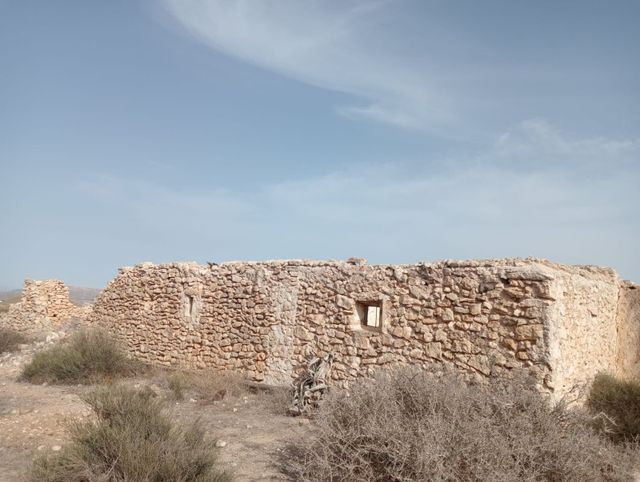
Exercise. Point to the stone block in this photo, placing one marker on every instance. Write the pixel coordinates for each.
(447, 314)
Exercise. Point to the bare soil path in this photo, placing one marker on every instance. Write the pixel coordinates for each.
(33, 421)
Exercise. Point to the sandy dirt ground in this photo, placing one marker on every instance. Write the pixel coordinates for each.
(33, 421)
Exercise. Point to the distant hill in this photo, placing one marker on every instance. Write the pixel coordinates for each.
(83, 296)
(7, 298)
(7, 295)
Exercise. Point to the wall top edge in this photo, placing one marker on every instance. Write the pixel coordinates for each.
(540, 265)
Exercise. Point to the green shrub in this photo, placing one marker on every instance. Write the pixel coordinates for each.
(10, 339)
(85, 357)
(131, 440)
(616, 407)
(411, 426)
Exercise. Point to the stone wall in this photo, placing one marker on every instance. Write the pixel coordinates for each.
(487, 318)
(629, 330)
(44, 306)
(582, 324)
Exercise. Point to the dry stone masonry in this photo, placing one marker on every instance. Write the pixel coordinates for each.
(44, 306)
(561, 324)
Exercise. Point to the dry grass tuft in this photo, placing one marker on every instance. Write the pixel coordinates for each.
(277, 399)
(206, 386)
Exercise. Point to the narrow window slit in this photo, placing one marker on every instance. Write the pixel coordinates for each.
(188, 307)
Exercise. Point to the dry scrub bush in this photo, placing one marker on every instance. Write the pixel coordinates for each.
(411, 426)
(616, 406)
(131, 440)
(10, 339)
(87, 356)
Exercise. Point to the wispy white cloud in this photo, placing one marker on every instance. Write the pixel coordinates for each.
(324, 44)
(538, 141)
(394, 115)
(569, 199)
(574, 211)
(415, 65)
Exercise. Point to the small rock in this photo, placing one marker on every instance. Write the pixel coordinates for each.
(56, 448)
(221, 443)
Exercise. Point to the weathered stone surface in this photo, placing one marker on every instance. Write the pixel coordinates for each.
(562, 324)
(486, 318)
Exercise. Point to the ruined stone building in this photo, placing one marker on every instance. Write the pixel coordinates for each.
(561, 324)
(44, 306)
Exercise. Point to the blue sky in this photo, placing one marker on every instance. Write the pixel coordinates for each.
(397, 130)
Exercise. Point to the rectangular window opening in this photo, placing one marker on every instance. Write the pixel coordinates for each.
(370, 314)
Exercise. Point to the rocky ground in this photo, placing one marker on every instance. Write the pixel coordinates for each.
(250, 431)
